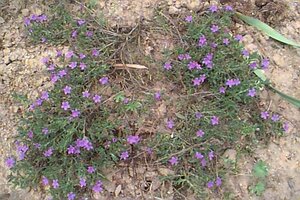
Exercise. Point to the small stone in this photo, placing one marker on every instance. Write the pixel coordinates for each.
(25, 12)
(194, 5)
(279, 60)
(109, 186)
(118, 190)
(1, 20)
(173, 10)
(165, 171)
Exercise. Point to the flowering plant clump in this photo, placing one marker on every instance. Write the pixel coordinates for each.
(68, 134)
(84, 123)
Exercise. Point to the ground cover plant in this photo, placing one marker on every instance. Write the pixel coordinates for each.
(90, 119)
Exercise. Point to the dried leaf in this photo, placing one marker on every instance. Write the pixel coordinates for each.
(118, 190)
(135, 66)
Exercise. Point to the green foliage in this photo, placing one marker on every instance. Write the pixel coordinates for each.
(260, 169)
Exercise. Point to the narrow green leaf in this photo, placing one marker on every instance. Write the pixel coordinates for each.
(290, 99)
(266, 29)
(260, 73)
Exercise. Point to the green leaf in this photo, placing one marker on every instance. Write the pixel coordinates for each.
(259, 188)
(180, 116)
(292, 100)
(260, 73)
(266, 29)
(260, 169)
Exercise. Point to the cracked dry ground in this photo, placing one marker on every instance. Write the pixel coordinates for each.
(22, 71)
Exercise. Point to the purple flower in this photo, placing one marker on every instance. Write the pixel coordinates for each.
(157, 96)
(226, 41)
(222, 90)
(71, 196)
(210, 184)
(199, 155)
(170, 124)
(124, 155)
(193, 65)
(51, 67)
(275, 118)
(38, 102)
(42, 18)
(86, 94)
(264, 115)
(213, 45)
(103, 80)
(73, 65)
(238, 38)
(74, 34)
(54, 78)
(69, 54)
(200, 133)
(90, 169)
(55, 183)
(48, 152)
(228, 8)
(30, 134)
(133, 139)
(265, 63)
(214, 28)
(67, 90)
(253, 65)
(84, 143)
(22, 149)
(45, 95)
(97, 98)
(285, 126)
(37, 145)
(43, 40)
(149, 150)
(10, 162)
(75, 113)
(98, 187)
(45, 181)
(82, 56)
(202, 41)
(198, 115)
(189, 18)
(245, 53)
(27, 21)
(214, 120)
(82, 66)
(65, 105)
(173, 160)
(213, 8)
(33, 17)
(252, 92)
(45, 131)
(58, 53)
(211, 155)
(95, 52)
(62, 73)
(232, 82)
(203, 162)
(89, 33)
(71, 150)
(168, 66)
(80, 22)
(45, 60)
(82, 182)
(208, 60)
(199, 80)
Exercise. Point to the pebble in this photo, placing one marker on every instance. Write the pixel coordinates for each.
(1, 20)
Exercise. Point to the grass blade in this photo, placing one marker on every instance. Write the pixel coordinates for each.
(288, 98)
(266, 29)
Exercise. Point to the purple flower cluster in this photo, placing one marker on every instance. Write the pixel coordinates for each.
(168, 66)
(184, 57)
(35, 18)
(124, 155)
(207, 60)
(48, 152)
(199, 80)
(84, 143)
(133, 139)
(10, 162)
(232, 82)
(202, 41)
(21, 149)
(217, 182)
(174, 160)
(194, 65)
(98, 187)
